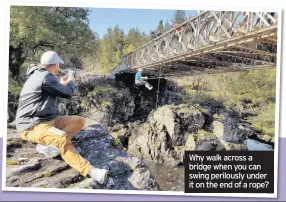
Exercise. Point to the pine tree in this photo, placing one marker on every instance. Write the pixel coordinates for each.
(167, 26)
(160, 27)
(179, 17)
(35, 29)
(134, 40)
(112, 46)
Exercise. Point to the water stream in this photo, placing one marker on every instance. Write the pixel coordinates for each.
(169, 178)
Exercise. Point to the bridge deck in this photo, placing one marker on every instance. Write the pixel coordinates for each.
(211, 42)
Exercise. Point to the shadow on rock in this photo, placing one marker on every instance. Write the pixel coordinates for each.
(126, 171)
(27, 168)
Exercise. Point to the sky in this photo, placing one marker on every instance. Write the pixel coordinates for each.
(145, 19)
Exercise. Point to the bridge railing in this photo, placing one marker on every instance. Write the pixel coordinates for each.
(206, 30)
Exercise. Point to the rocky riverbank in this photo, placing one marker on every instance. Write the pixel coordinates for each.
(142, 146)
(26, 168)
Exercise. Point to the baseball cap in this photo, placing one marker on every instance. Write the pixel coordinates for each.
(140, 69)
(50, 58)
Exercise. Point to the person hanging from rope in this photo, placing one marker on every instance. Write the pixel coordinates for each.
(140, 81)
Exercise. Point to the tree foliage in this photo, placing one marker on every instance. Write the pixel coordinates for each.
(179, 17)
(111, 47)
(134, 39)
(160, 27)
(167, 26)
(66, 30)
(115, 44)
(250, 94)
(36, 29)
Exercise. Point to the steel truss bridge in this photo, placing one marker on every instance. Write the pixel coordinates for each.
(212, 41)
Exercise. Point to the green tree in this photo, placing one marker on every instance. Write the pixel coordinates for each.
(179, 17)
(145, 38)
(134, 40)
(167, 26)
(111, 48)
(36, 29)
(160, 27)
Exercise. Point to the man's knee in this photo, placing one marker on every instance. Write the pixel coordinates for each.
(62, 143)
(27, 136)
(23, 136)
(81, 122)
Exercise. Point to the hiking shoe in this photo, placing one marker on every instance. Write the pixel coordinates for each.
(98, 175)
(151, 88)
(47, 150)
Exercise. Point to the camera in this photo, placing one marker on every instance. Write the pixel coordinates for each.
(70, 73)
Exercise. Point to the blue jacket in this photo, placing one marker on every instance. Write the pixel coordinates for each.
(138, 76)
(38, 99)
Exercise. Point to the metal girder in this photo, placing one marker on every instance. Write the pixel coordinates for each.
(244, 59)
(192, 72)
(208, 32)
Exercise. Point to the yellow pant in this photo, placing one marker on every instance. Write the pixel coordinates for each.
(71, 125)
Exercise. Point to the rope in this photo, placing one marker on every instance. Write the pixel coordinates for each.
(158, 87)
(155, 78)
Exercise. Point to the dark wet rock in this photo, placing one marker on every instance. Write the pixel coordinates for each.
(209, 145)
(100, 99)
(170, 130)
(164, 92)
(112, 102)
(118, 105)
(72, 106)
(219, 132)
(26, 168)
(152, 126)
(121, 133)
(230, 128)
(170, 178)
(208, 142)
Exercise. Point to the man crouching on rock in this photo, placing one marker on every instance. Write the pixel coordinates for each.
(37, 119)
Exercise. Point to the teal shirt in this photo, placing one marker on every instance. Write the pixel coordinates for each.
(138, 76)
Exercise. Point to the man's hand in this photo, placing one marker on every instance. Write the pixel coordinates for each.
(145, 77)
(65, 80)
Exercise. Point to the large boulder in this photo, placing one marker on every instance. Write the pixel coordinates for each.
(170, 130)
(230, 129)
(206, 141)
(26, 168)
(176, 120)
(230, 132)
(189, 146)
(102, 99)
(118, 104)
(166, 130)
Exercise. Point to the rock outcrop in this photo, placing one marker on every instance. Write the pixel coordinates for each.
(125, 131)
(26, 168)
(170, 130)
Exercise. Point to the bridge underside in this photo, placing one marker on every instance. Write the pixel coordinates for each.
(211, 42)
(250, 56)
